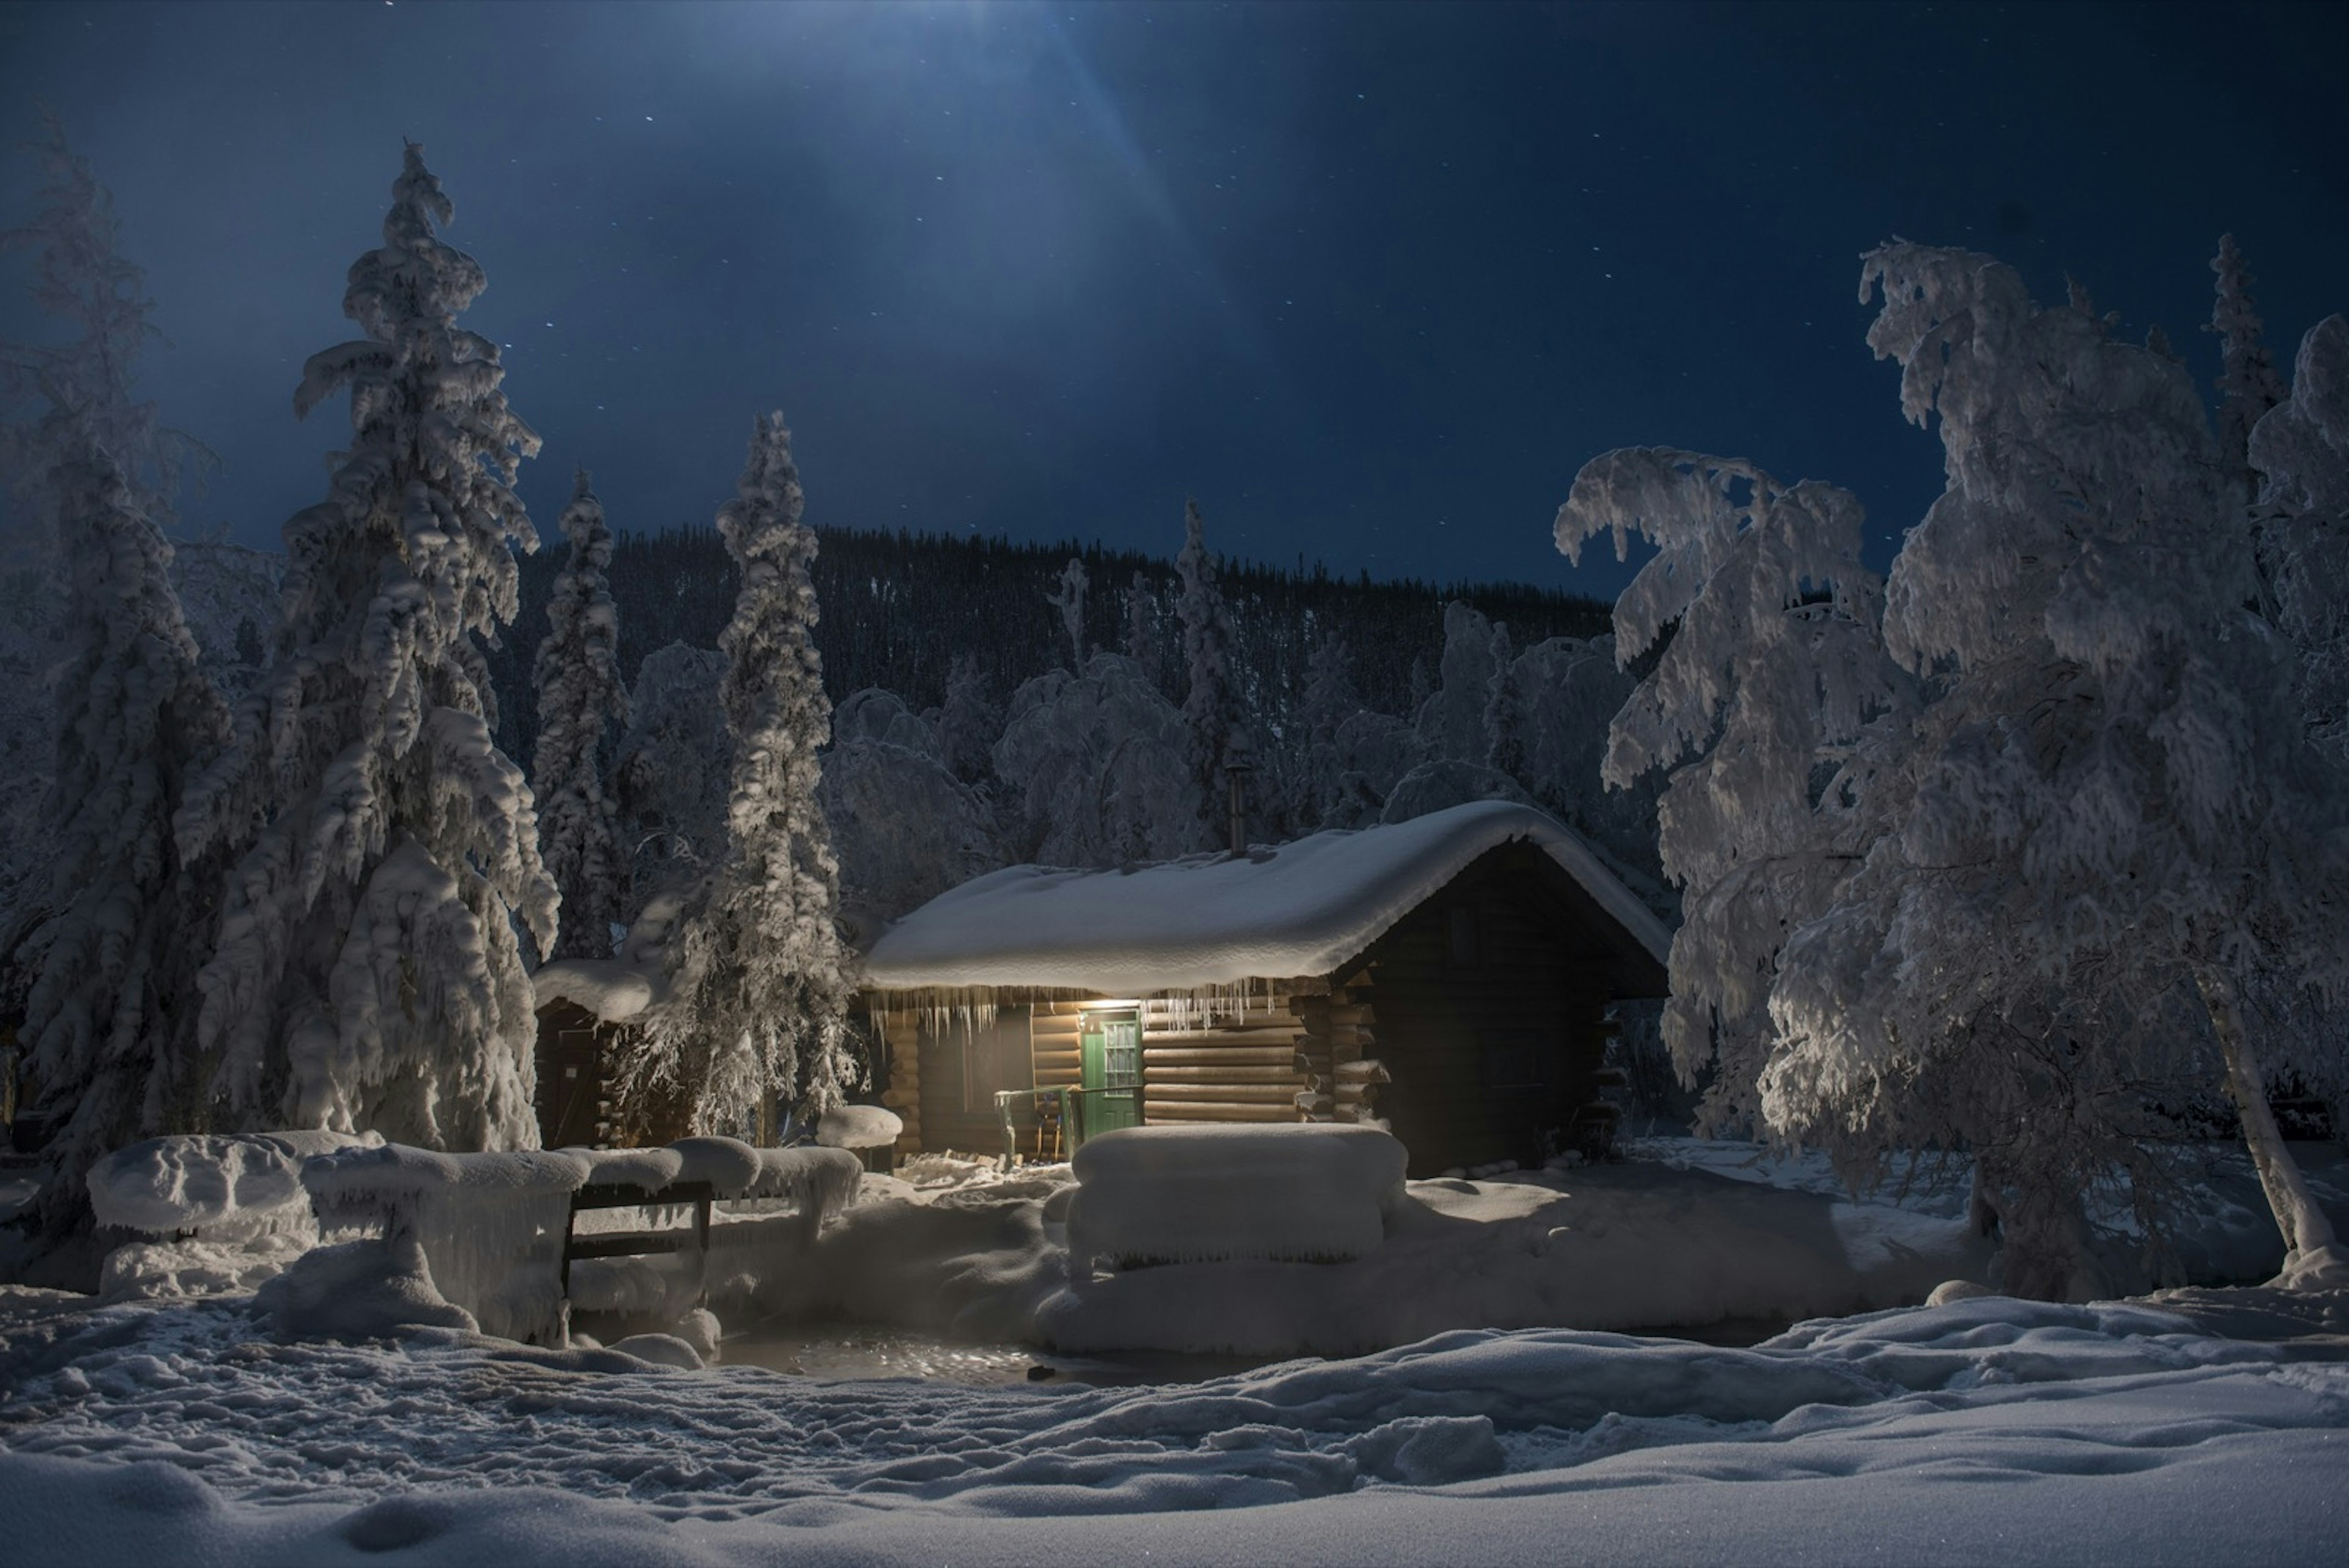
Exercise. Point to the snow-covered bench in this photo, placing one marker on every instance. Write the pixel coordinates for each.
(497, 1233)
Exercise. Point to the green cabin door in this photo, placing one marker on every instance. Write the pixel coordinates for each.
(1109, 1058)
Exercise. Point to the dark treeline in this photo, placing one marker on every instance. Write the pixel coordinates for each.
(898, 610)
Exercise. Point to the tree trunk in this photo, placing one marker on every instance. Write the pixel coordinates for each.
(2305, 1228)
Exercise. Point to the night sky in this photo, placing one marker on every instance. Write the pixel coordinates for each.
(1372, 281)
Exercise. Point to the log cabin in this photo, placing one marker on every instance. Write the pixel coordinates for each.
(1448, 978)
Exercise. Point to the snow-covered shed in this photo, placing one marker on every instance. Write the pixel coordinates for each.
(1449, 976)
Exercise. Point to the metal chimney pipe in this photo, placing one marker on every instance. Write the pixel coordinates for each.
(1236, 804)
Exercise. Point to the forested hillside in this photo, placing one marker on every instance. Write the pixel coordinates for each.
(899, 609)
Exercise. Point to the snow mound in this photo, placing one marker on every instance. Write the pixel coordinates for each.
(224, 1189)
(858, 1126)
(491, 1227)
(159, 1270)
(374, 1289)
(1309, 1191)
(1302, 908)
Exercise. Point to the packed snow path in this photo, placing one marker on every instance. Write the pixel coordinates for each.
(1984, 1428)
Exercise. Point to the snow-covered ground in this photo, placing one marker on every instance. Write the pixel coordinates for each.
(1983, 1429)
(2201, 1425)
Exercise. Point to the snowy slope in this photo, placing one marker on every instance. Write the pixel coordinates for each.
(1302, 908)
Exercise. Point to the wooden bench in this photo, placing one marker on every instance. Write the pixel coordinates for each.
(638, 1243)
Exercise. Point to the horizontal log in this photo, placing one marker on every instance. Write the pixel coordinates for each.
(1220, 1094)
(1316, 1105)
(1370, 1071)
(1196, 1023)
(1160, 1114)
(1221, 1072)
(1212, 1056)
(1287, 1030)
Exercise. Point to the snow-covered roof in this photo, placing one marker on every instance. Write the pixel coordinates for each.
(1302, 910)
(615, 990)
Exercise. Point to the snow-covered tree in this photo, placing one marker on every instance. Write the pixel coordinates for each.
(98, 296)
(63, 396)
(106, 953)
(2016, 911)
(672, 770)
(2248, 385)
(110, 1020)
(1069, 598)
(2111, 806)
(1772, 667)
(1211, 707)
(1505, 740)
(1451, 719)
(2299, 453)
(1328, 700)
(368, 972)
(756, 1005)
(969, 722)
(580, 699)
(1141, 626)
(904, 828)
(1094, 769)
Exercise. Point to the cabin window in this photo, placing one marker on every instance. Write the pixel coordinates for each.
(996, 1056)
(1464, 950)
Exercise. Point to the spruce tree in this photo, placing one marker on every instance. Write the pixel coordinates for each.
(1069, 598)
(1210, 711)
(367, 973)
(756, 1005)
(1504, 746)
(2248, 385)
(581, 698)
(106, 958)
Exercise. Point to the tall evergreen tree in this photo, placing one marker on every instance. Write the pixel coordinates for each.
(969, 720)
(1069, 597)
(1211, 709)
(581, 697)
(758, 994)
(1142, 627)
(2248, 385)
(367, 973)
(109, 962)
(80, 389)
(1505, 742)
(111, 1015)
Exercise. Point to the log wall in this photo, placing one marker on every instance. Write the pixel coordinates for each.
(1491, 1023)
(1234, 1067)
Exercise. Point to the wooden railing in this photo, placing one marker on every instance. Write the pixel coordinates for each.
(638, 1243)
